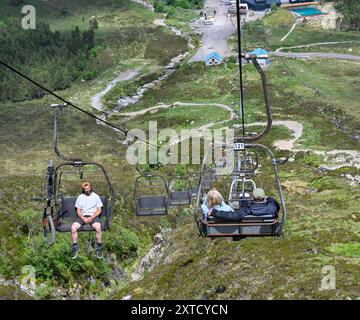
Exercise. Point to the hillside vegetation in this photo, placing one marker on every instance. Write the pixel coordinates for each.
(323, 226)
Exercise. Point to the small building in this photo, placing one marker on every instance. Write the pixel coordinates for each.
(258, 5)
(263, 56)
(213, 59)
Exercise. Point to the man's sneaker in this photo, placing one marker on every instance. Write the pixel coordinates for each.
(99, 253)
(74, 252)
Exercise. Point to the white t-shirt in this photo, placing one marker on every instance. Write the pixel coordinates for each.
(88, 204)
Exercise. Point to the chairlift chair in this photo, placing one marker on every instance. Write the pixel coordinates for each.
(249, 225)
(151, 205)
(59, 210)
(180, 197)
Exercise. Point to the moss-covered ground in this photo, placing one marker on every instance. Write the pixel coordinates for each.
(323, 226)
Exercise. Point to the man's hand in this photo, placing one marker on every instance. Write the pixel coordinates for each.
(86, 220)
(90, 219)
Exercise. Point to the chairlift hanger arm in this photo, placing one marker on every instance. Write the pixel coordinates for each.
(253, 59)
(149, 177)
(82, 164)
(57, 110)
(277, 178)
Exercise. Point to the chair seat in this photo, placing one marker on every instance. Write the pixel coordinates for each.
(67, 214)
(151, 205)
(180, 198)
(246, 219)
(65, 225)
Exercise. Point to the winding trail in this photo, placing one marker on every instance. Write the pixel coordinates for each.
(294, 126)
(96, 100)
(317, 44)
(179, 104)
(291, 30)
(321, 55)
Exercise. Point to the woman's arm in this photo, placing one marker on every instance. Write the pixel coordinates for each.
(205, 209)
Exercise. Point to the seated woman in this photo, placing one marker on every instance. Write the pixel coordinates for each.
(263, 205)
(214, 201)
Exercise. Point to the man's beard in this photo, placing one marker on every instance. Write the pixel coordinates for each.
(88, 192)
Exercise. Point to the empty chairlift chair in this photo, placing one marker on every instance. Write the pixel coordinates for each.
(147, 204)
(181, 194)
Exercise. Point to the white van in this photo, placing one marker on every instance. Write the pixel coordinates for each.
(243, 8)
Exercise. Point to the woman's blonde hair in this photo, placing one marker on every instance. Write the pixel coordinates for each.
(214, 197)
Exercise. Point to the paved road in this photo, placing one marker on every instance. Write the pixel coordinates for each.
(323, 55)
(215, 36)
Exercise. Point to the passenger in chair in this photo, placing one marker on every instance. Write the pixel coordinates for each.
(214, 200)
(263, 205)
(88, 207)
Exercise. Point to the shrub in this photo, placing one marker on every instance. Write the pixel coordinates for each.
(90, 75)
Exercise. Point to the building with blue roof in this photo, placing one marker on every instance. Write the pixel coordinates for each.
(263, 56)
(213, 58)
(261, 4)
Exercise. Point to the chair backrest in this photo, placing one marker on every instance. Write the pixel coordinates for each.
(152, 202)
(180, 195)
(68, 209)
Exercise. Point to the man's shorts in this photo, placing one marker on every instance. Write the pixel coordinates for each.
(79, 221)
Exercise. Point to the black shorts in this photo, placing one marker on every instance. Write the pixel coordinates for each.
(79, 221)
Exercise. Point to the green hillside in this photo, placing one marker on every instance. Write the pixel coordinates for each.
(323, 226)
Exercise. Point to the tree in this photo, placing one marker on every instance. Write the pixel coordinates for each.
(93, 23)
(159, 6)
(16, 2)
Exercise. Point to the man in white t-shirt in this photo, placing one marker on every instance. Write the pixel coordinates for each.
(88, 207)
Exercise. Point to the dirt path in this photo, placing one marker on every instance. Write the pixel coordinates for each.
(307, 55)
(291, 30)
(176, 104)
(321, 55)
(96, 100)
(294, 126)
(316, 45)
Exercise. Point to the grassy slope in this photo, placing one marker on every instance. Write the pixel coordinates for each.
(273, 268)
(324, 222)
(246, 269)
(26, 151)
(336, 79)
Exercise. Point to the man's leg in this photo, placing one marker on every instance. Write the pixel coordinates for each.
(74, 232)
(74, 236)
(97, 227)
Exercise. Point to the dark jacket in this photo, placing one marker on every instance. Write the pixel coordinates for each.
(269, 207)
(232, 215)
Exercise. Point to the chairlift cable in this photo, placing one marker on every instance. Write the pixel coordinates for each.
(288, 69)
(240, 66)
(125, 132)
